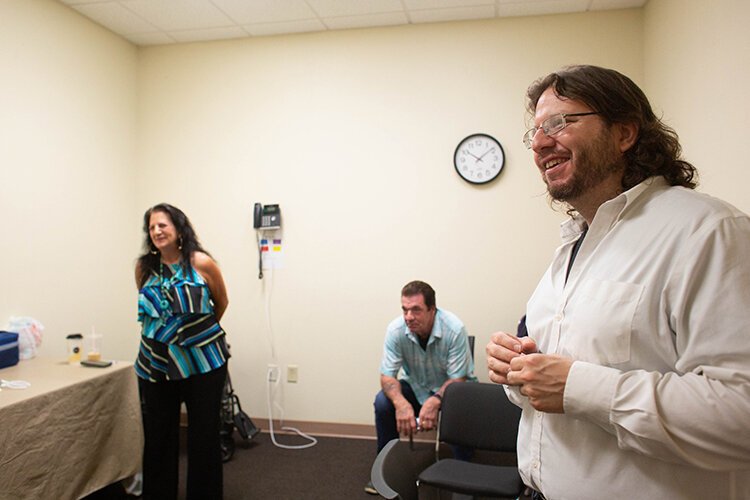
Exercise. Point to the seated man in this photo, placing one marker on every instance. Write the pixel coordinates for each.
(430, 347)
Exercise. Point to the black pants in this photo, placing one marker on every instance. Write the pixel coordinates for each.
(161, 423)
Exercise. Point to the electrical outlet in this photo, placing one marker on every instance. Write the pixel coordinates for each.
(273, 372)
(291, 374)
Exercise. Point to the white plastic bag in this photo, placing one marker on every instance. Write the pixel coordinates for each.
(29, 333)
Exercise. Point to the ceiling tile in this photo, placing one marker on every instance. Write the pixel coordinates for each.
(208, 34)
(616, 4)
(156, 38)
(115, 17)
(265, 11)
(374, 20)
(455, 14)
(444, 4)
(75, 2)
(179, 14)
(304, 26)
(335, 8)
(540, 7)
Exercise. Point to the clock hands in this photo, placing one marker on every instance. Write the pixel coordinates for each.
(483, 154)
(479, 158)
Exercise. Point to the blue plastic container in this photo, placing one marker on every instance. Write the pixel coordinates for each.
(8, 349)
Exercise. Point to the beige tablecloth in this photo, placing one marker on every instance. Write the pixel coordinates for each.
(74, 431)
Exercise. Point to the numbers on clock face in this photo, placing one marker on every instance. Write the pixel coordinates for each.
(479, 158)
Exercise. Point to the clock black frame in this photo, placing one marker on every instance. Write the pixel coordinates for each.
(455, 158)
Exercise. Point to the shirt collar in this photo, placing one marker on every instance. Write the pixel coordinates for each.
(611, 210)
(436, 331)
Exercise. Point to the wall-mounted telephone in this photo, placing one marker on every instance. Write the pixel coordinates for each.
(266, 217)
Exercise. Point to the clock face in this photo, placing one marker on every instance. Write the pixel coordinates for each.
(479, 158)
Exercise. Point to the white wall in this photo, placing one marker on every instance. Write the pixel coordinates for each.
(697, 72)
(360, 125)
(67, 143)
(353, 134)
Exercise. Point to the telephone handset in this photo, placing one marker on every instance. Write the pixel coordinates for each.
(266, 217)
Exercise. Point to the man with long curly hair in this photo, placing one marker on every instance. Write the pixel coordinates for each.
(634, 378)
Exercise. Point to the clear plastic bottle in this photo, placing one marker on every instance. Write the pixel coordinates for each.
(94, 352)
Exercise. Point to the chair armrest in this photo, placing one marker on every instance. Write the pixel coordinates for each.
(398, 465)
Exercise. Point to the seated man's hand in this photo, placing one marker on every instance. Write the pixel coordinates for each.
(428, 416)
(406, 423)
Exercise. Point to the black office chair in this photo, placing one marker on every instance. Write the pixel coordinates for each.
(395, 470)
(480, 416)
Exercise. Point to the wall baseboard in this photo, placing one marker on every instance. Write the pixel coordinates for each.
(323, 429)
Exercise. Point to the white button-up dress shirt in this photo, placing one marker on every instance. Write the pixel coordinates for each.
(656, 315)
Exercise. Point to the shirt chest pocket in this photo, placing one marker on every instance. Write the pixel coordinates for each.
(599, 319)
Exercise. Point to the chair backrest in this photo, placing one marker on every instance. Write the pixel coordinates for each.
(478, 415)
(471, 345)
(396, 468)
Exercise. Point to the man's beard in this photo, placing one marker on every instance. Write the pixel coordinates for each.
(594, 164)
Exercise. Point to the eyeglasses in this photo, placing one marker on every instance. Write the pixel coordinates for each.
(551, 126)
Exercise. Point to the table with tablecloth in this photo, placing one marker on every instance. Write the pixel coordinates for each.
(75, 430)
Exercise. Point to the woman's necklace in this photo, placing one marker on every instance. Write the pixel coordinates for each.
(165, 284)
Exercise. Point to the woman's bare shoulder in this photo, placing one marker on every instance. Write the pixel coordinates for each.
(203, 263)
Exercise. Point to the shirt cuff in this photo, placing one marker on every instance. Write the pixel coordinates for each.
(514, 395)
(589, 392)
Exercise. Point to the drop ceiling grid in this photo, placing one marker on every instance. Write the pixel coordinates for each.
(148, 22)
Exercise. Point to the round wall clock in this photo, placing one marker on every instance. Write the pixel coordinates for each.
(479, 158)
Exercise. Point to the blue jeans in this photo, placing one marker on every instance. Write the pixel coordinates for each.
(385, 420)
(385, 414)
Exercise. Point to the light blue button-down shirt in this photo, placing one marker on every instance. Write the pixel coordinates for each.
(447, 354)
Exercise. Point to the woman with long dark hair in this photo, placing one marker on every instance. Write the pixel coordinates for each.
(183, 355)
